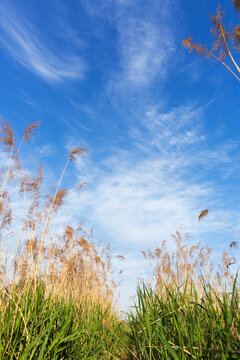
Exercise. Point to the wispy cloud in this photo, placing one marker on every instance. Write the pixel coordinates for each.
(143, 42)
(144, 46)
(142, 204)
(174, 129)
(27, 47)
(46, 150)
(144, 50)
(141, 194)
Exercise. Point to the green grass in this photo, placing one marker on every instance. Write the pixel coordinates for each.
(173, 324)
(57, 289)
(182, 325)
(35, 327)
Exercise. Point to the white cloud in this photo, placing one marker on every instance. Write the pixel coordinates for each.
(141, 195)
(143, 42)
(144, 50)
(174, 129)
(144, 46)
(142, 203)
(21, 40)
(138, 195)
(46, 150)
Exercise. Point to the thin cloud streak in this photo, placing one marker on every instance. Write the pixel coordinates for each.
(144, 43)
(150, 190)
(138, 195)
(145, 46)
(175, 129)
(20, 39)
(144, 50)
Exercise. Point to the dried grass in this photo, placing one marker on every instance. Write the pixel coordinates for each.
(192, 265)
(71, 265)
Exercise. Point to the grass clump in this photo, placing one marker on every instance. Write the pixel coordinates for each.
(179, 324)
(193, 312)
(57, 292)
(69, 263)
(36, 326)
(56, 289)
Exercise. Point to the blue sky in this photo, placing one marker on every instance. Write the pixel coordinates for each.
(161, 126)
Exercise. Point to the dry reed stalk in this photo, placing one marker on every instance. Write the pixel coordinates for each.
(70, 264)
(188, 263)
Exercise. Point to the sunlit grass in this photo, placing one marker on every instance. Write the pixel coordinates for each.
(177, 323)
(69, 263)
(36, 326)
(57, 289)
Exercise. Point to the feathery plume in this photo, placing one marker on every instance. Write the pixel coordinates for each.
(7, 137)
(203, 214)
(233, 244)
(27, 133)
(120, 257)
(76, 152)
(82, 185)
(236, 4)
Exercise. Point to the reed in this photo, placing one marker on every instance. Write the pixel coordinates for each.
(57, 292)
(181, 324)
(36, 325)
(192, 311)
(56, 289)
(191, 263)
(71, 265)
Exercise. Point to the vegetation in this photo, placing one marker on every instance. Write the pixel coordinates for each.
(194, 310)
(226, 42)
(178, 323)
(38, 326)
(57, 292)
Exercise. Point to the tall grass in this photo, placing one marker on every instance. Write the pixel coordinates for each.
(69, 263)
(36, 326)
(193, 312)
(180, 324)
(57, 291)
(189, 262)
